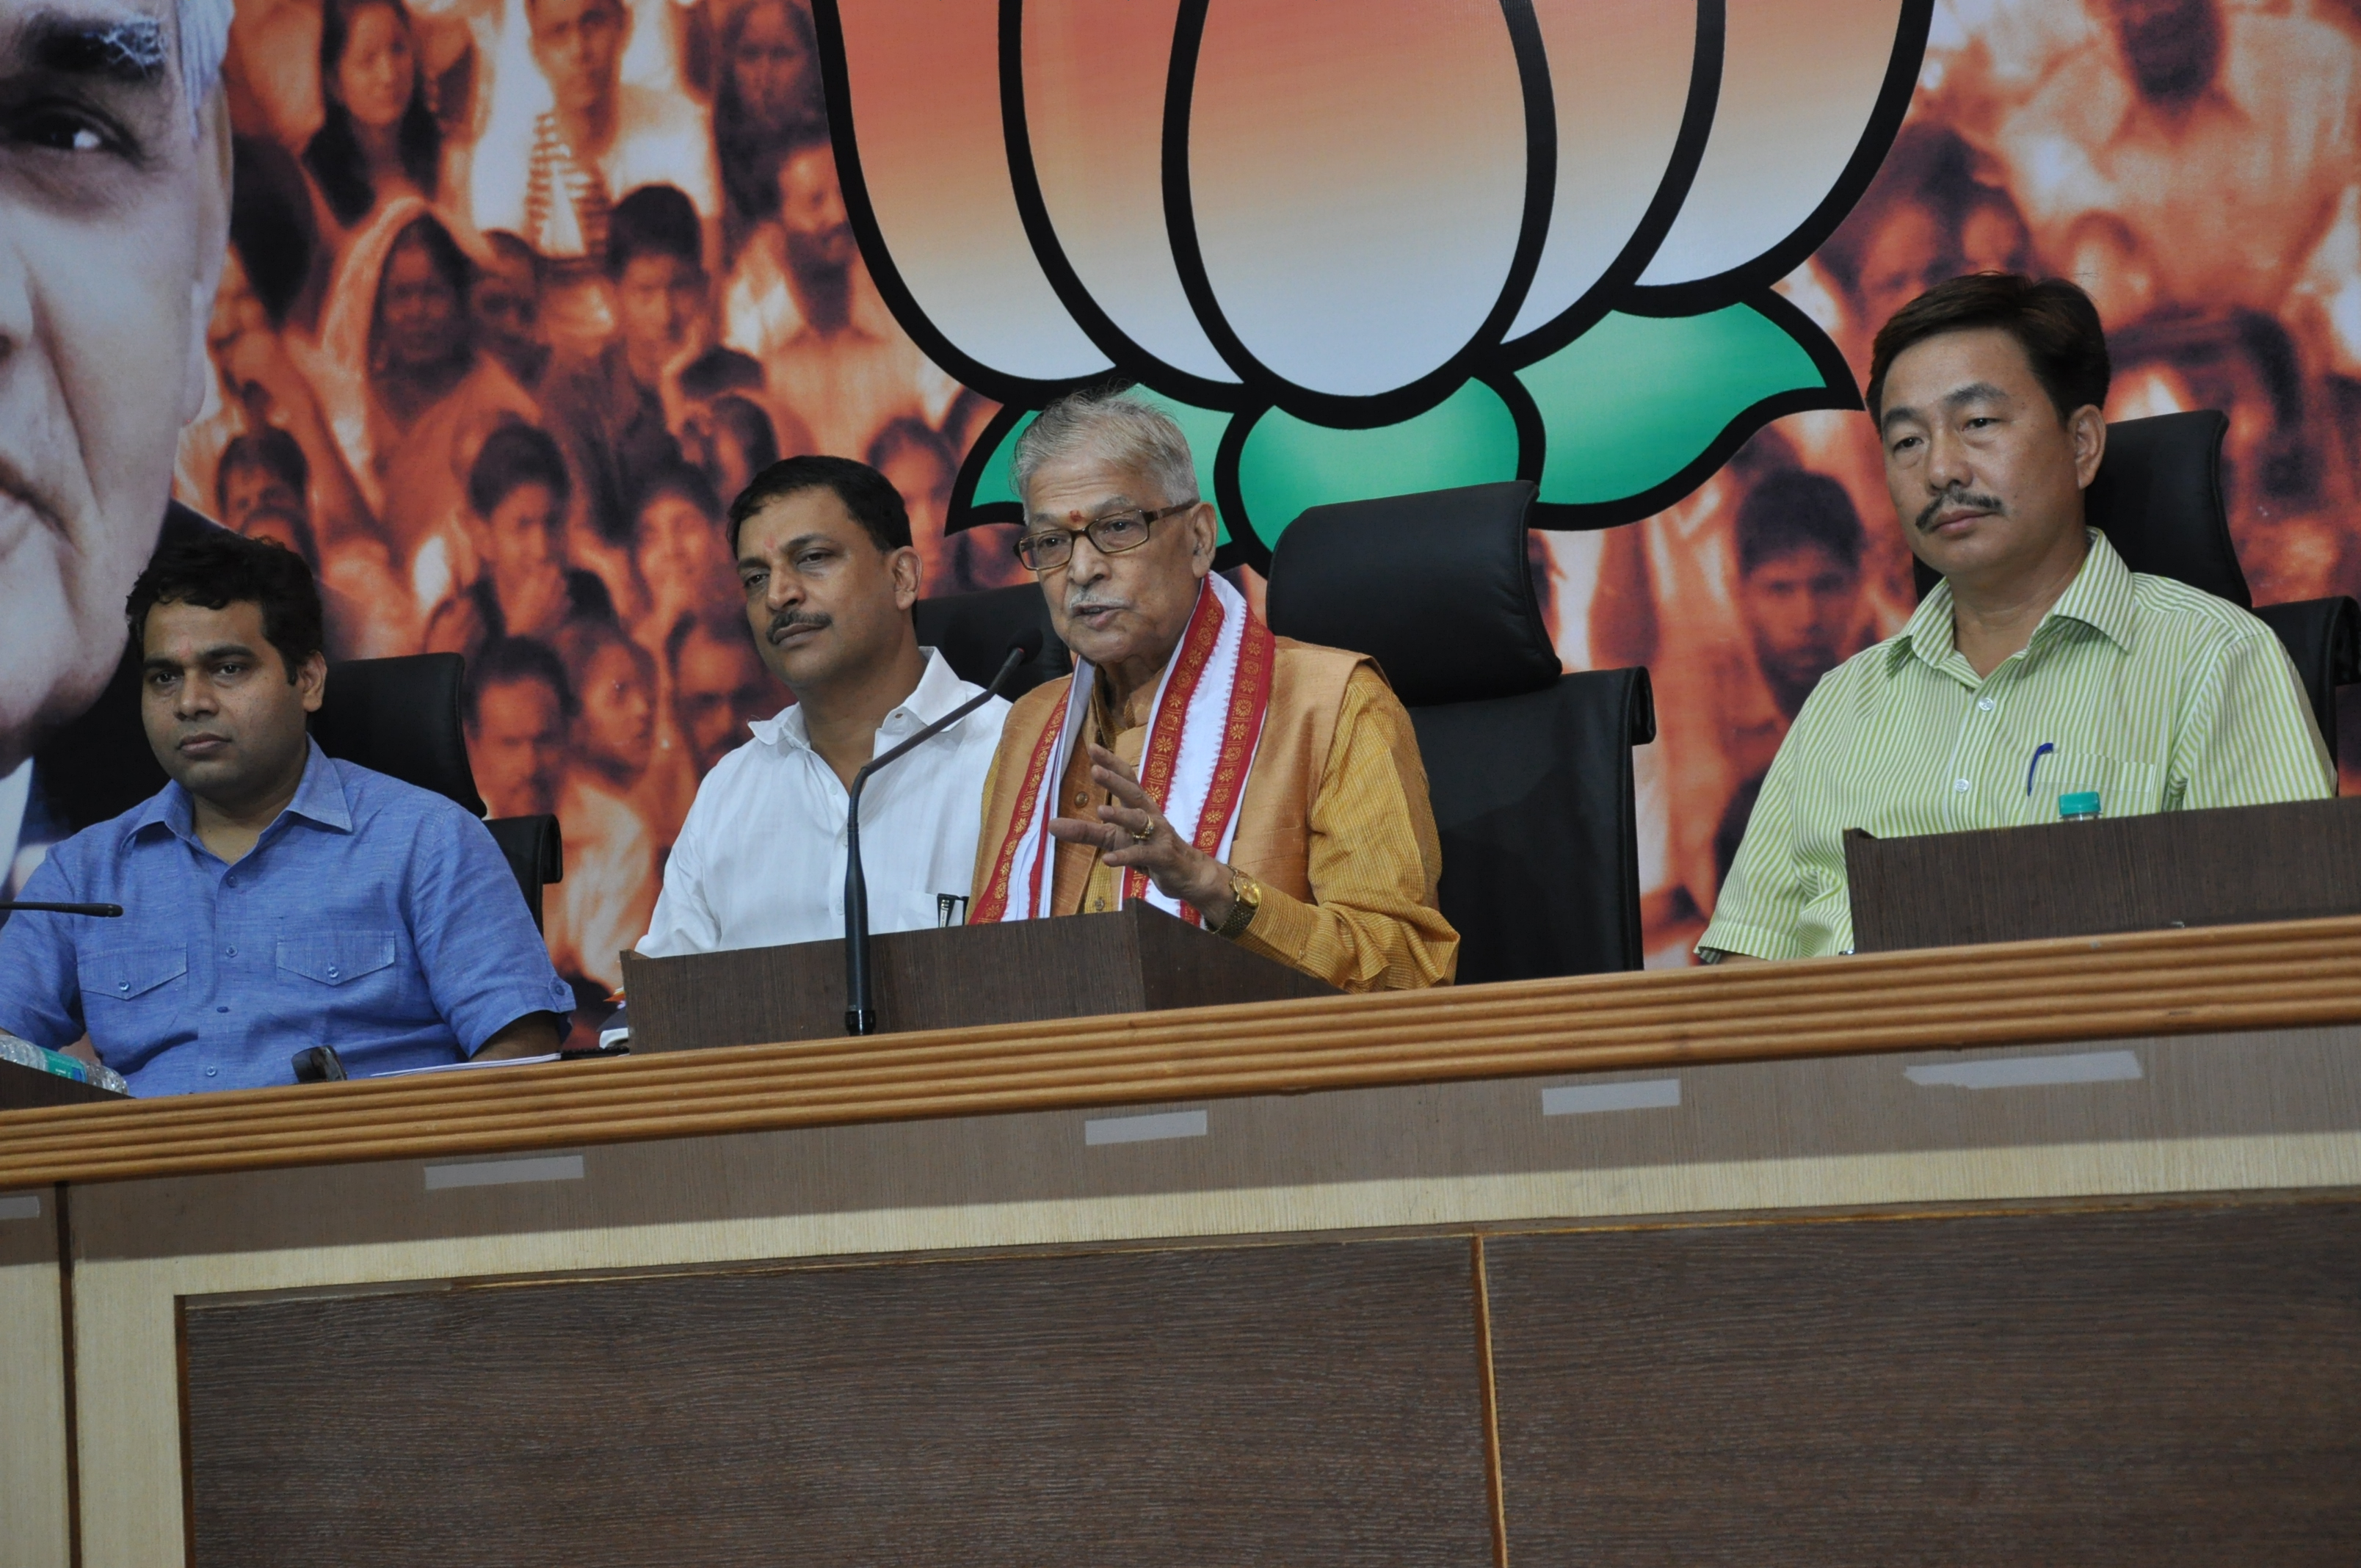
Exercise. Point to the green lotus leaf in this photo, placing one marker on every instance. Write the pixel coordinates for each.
(1203, 427)
(1635, 400)
(1288, 465)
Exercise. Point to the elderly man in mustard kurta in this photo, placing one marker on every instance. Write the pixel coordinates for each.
(1266, 789)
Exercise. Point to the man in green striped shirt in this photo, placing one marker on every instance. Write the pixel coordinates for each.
(2040, 665)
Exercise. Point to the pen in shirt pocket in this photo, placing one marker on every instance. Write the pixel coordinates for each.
(2034, 766)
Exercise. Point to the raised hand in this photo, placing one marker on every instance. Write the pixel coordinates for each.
(1129, 831)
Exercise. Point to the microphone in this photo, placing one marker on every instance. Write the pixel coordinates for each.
(9, 906)
(859, 1009)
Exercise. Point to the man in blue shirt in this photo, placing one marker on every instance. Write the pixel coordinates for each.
(273, 898)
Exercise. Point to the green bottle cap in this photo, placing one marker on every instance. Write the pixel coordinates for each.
(2086, 803)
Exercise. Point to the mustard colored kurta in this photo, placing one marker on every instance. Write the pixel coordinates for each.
(1335, 823)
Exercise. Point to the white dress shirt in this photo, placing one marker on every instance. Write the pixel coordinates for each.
(760, 862)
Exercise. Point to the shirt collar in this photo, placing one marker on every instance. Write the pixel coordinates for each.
(2100, 597)
(940, 690)
(319, 798)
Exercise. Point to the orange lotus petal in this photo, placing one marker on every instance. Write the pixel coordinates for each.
(1094, 77)
(1799, 79)
(1620, 80)
(1357, 172)
(925, 93)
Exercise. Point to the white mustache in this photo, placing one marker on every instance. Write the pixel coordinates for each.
(1077, 606)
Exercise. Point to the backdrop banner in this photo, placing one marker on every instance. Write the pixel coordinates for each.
(1631, 249)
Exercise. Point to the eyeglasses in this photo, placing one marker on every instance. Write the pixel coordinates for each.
(1047, 549)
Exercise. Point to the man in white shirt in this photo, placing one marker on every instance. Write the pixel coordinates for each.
(824, 554)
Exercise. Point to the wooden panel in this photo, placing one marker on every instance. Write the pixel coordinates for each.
(1300, 1405)
(34, 1509)
(24, 1087)
(1139, 960)
(2241, 1114)
(2201, 1117)
(2168, 1386)
(2152, 984)
(1182, 965)
(2295, 860)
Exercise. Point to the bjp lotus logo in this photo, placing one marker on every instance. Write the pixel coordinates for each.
(1372, 246)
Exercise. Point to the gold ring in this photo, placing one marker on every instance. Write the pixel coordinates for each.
(1145, 834)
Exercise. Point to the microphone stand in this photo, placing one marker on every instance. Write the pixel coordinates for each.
(9, 906)
(860, 1009)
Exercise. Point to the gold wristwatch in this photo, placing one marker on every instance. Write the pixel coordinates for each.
(1246, 897)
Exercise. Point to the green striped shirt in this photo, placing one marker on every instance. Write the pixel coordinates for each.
(2154, 695)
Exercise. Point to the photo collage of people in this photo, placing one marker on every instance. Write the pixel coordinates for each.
(499, 386)
(500, 391)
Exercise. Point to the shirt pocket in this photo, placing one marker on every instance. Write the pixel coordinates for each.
(2124, 788)
(135, 974)
(900, 909)
(135, 999)
(338, 959)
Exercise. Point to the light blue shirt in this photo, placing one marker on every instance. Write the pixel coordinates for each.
(372, 916)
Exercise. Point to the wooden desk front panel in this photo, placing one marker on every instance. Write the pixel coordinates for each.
(2205, 1115)
(2173, 1386)
(1297, 1405)
(34, 1510)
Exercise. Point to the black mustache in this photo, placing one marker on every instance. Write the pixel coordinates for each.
(810, 617)
(1950, 498)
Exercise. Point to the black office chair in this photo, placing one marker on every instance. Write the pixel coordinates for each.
(2157, 498)
(1529, 769)
(99, 764)
(973, 631)
(402, 718)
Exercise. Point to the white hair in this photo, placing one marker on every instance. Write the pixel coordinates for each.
(1124, 432)
(205, 43)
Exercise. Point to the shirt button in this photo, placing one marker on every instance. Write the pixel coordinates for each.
(1098, 905)
(332, 968)
(221, 1009)
(1985, 703)
(121, 985)
(213, 1073)
(231, 952)
(1960, 784)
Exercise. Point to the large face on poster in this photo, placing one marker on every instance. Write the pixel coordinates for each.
(518, 293)
(112, 196)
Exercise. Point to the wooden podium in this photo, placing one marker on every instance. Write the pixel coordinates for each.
(2298, 861)
(1139, 960)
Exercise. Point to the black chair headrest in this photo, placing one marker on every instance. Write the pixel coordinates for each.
(973, 632)
(1436, 588)
(2157, 498)
(401, 717)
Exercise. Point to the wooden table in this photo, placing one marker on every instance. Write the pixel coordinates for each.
(2036, 1251)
